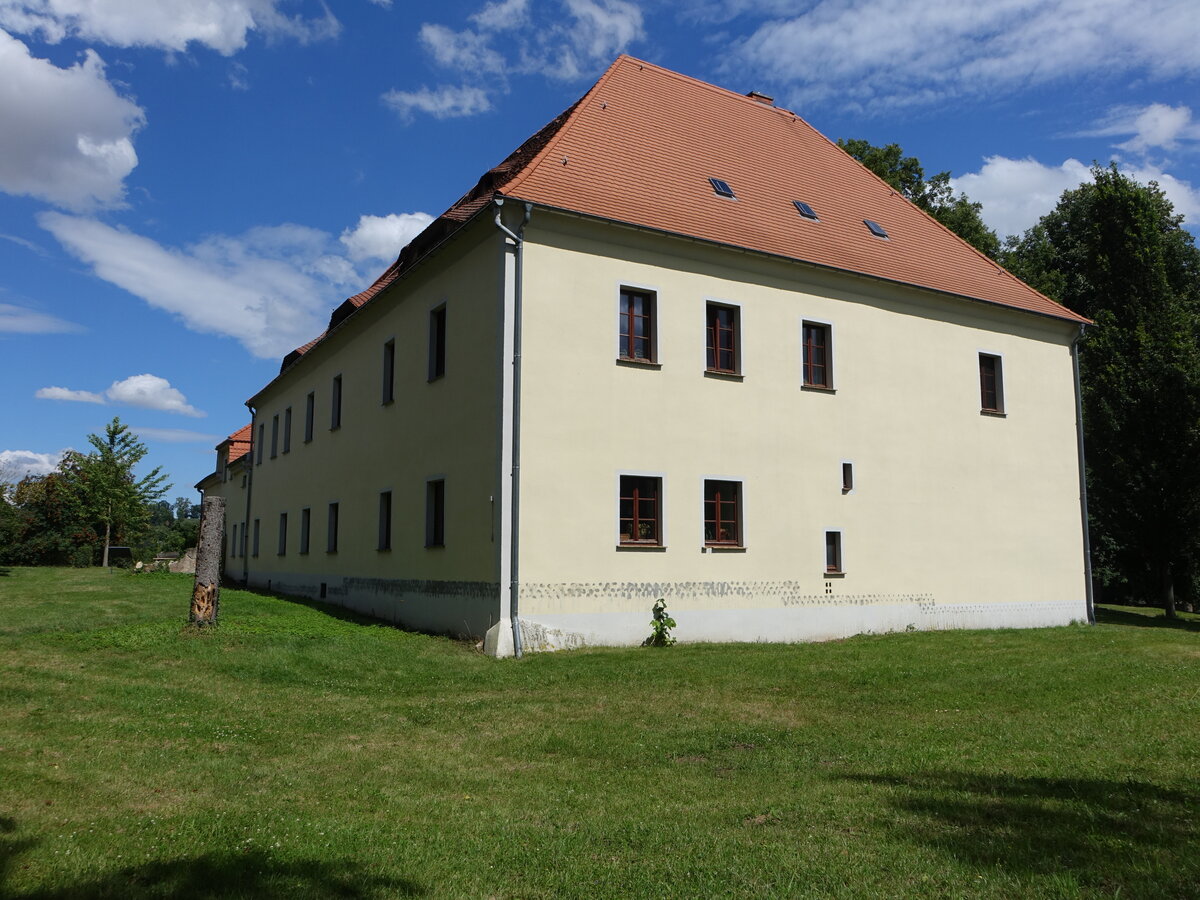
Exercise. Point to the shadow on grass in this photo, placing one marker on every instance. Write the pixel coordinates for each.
(4, 572)
(333, 610)
(1119, 837)
(219, 875)
(1108, 616)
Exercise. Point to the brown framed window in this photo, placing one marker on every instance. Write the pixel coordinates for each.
(385, 521)
(437, 343)
(389, 372)
(636, 339)
(435, 513)
(641, 512)
(335, 403)
(991, 383)
(331, 531)
(722, 329)
(833, 552)
(818, 355)
(722, 513)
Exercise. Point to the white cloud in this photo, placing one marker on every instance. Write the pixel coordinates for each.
(174, 435)
(143, 391)
(221, 25)
(150, 392)
(270, 288)
(446, 102)
(1015, 193)
(67, 135)
(570, 40)
(873, 54)
(22, 242)
(1153, 127)
(18, 464)
(21, 320)
(383, 237)
(62, 393)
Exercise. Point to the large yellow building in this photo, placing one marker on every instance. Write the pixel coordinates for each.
(677, 346)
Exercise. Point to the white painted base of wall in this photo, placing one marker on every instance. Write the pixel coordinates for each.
(787, 625)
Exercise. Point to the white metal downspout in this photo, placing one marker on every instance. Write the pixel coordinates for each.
(512, 406)
(1083, 501)
(249, 492)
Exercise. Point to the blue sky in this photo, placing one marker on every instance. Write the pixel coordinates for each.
(187, 189)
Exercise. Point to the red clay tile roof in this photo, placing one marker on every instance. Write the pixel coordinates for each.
(643, 142)
(640, 148)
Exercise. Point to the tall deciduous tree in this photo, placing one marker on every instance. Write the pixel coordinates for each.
(934, 195)
(1114, 250)
(113, 495)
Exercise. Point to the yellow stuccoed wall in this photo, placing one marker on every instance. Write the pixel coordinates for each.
(446, 428)
(957, 519)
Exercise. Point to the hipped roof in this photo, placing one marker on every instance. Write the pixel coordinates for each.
(640, 147)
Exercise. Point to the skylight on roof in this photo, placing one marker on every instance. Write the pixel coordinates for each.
(805, 210)
(721, 187)
(876, 229)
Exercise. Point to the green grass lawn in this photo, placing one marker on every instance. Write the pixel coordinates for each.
(298, 752)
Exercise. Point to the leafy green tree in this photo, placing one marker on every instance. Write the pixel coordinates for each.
(1115, 251)
(934, 195)
(113, 496)
(47, 524)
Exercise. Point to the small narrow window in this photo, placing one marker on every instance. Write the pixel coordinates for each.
(818, 356)
(833, 552)
(254, 548)
(722, 513)
(335, 404)
(287, 430)
(722, 329)
(331, 532)
(437, 343)
(282, 551)
(991, 383)
(310, 407)
(305, 529)
(274, 436)
(637, 331)
(805, 210)
(389, 371)
(722, 188)
(435, 513)
(385, 520)
(262, 438)
(847, 477)
(640, 518)
(876, 229)
(233, 543)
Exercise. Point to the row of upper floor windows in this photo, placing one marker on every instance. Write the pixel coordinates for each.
(637, 343)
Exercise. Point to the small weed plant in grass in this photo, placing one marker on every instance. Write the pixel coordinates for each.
(299, 751)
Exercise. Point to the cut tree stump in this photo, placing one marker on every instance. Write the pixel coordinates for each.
(206, 595)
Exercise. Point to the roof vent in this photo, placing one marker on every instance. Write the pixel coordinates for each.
(876, 229)
(721, 187)
(805, 210)
(761, 98)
